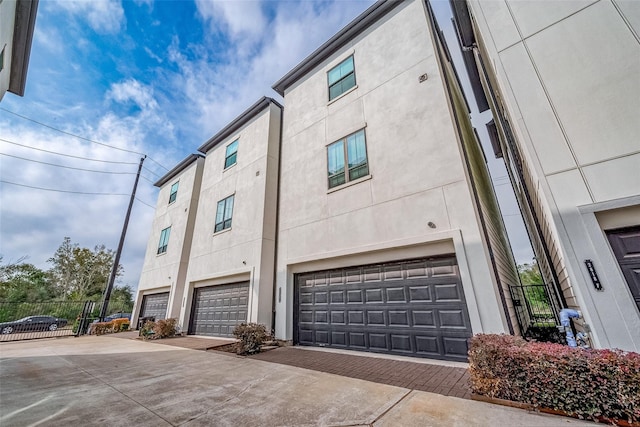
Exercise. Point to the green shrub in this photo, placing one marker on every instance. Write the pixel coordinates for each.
(251, 336)
(585, 383)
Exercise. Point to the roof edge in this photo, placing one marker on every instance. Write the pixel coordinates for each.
(238, 122)
(351, 30)
(24, 25)
(177, 169)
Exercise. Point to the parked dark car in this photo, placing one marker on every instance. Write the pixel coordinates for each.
(115, 316)
(32, 324)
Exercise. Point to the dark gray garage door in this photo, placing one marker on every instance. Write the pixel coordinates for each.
(217, 309)
(155, 305)
(414, 308)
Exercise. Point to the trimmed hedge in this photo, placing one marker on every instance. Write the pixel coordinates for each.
(116, 325)
(584, 383)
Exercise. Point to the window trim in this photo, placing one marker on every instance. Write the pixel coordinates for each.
(228, 156)
(355, 81)
(163, 249)
(348, 181)
(172, 193)
(230, 219)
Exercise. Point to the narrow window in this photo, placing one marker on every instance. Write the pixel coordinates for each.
(231, 154)
(224, 214)
(341, 78)
(2, 59)
(347, 159)
(174, 192)
(164, 240)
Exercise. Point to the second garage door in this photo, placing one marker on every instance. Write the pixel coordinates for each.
(414, 308)
(155, 305)
(218, 309)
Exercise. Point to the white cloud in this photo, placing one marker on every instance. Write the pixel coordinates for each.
(242, 19)
(133, 90)
(104, 16)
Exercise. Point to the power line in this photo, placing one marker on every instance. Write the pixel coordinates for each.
(149, 170)
(81, 137)
(67, 155)
(145, 203)
(147, 179)
(66, 167)
(63, 191)
(74, 192)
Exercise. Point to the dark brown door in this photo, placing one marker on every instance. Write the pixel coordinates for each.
(413, 308)
(626, 245)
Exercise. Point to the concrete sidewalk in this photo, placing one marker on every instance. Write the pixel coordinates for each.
(106, 381)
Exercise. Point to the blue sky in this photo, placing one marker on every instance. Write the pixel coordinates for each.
(154, 77)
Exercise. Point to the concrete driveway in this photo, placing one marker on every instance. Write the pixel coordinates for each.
(108, 381)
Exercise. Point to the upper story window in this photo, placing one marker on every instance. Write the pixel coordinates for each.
(174, 192)
(224, 214)
(341, 78)
(231, 154)
(164, 240)
(347, 159)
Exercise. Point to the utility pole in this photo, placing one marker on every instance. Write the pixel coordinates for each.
(116, 262)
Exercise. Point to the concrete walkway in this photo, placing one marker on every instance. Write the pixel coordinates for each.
(106, 381)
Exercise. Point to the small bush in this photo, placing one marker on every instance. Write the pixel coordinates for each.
(251, 336)
(146, 331)
(164, 328)
(585, 383)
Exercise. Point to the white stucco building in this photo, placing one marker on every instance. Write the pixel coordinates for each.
(362, 216)
(162, 280)
(380, 243)
(17, 21)
(562, 80)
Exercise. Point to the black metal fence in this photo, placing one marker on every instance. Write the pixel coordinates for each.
(26, 320)
(537, 315)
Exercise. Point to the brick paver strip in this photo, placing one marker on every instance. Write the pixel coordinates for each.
(445, 380)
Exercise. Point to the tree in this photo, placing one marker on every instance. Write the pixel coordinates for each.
(81, 273)
(23, 282)
(122, 296)
(530, 274)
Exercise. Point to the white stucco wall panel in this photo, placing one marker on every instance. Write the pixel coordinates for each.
(569, 190)
(590, 64)
(501, 26)
(548, 142)
(534, 15)
(7, 22)
(407, 126)
(614, 179)
(345, 120)
(631, 11)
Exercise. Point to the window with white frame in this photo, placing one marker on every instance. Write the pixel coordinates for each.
(231, 154)
(224, 214)
(347, 159)
(174, 192)
(164, 240)
(341, 78)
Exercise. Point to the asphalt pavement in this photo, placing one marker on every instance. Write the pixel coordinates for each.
(106, 381)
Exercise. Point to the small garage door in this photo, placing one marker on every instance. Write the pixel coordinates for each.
(414, 308)
(155, 305)
(218, 309)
